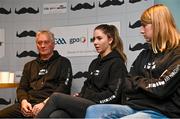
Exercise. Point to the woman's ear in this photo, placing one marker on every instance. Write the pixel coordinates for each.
(110, 40)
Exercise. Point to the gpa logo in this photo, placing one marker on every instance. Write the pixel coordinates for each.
(77, 40)
(60, 41)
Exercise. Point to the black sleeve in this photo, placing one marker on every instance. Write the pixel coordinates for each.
(65, 79)
(133, 73)
(160, 87)
(163, 86)
(113, 94)
(22, 90)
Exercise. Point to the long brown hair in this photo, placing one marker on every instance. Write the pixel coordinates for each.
(165, 33)
(112, 32)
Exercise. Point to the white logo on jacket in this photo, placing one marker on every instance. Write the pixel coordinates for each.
(96, 72)
(43, 72)
(150, 65)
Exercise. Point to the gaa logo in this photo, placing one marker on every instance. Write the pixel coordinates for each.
(60, 41)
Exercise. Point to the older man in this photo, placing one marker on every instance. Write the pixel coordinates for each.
(48, 73)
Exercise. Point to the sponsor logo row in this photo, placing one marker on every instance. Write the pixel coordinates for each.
(72, 40)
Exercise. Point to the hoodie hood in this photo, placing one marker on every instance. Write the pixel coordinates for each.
(113, 54)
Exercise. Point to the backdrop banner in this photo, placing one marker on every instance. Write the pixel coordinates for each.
(55, 8)
(76, 40)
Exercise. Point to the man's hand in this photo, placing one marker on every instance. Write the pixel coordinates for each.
(37, 108)
(26, 108)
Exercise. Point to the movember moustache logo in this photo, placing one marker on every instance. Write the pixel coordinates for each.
(26, 33)
(111, 2)
(139, 46)
(1, 43)
(4, 11)
(135, 25)
(80, 74)
(26, 53)
(29, 10)
(4, 102)
(134, 1)
(82, 6)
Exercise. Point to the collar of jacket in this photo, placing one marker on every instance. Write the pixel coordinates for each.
(111, 55)
(53, 57)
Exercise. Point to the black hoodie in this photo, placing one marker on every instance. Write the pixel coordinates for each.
(155, 82)
(41, 78)
(106, 76)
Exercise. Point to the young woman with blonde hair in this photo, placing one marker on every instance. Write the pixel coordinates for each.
(153, 87)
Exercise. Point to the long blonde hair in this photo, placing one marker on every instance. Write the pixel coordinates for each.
(165, 33)
(112, 32)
